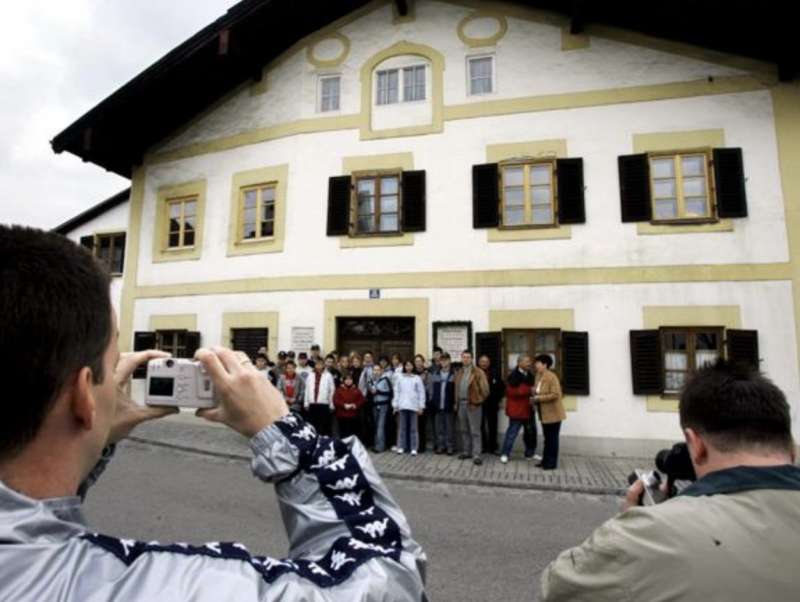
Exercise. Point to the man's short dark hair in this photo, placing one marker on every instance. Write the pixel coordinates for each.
(55, 318)
(467, 351)
(290, 363)
(444, 356)
(545, 359)
(437, 348)
(737, 408)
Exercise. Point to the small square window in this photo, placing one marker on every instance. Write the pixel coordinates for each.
(182, 214)
(377, 203)
(257, 212)
(388, 86)
(480, 73)
(110, 250)
(685, 351)
(414, 83)
(680, 186)
(528, 194)
(329, 93)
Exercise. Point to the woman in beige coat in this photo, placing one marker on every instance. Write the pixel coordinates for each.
(547, 396)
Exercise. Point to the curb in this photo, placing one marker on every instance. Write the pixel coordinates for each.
(388, 474)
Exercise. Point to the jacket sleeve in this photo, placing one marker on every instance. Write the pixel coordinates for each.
(420, 388)
(348, 538)
(483, 384)
(338, 402)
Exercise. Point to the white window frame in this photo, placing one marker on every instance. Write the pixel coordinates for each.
(401, 84)
(473, 57)
(320, 79)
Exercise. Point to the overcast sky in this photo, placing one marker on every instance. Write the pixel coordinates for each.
(58, 58)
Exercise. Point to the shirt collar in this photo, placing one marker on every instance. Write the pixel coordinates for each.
(746, 478)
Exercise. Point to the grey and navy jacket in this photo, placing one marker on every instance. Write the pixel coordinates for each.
(349, 540)
(437, 402)
(384, 389)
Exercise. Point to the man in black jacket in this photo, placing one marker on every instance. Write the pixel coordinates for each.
(491, 406)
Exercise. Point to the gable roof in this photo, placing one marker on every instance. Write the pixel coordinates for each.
(117, 132)
(92, 212)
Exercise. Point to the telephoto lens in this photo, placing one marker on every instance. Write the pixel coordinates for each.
(676, 463)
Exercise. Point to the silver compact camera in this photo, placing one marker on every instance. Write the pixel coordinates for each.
(178, 382)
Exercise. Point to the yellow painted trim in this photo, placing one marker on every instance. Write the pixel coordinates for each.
(657, 316)
(436, 60)
(411, 14)
(395, 240)
(572, 41)
(254, 319)
(173, 322)
(314, 41)
(402, 161)
(354, 164)
(786, 109)
(279, 174)
(131, 271)
(471, 279)
(402, 308)
(563, 319)
(521, 234)
(160, 251)
(596, 98)
(532, 149)
(472, 110)
(653, 142)
(502, 29)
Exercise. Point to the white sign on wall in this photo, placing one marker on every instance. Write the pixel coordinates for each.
(453, 338)
(302, 338)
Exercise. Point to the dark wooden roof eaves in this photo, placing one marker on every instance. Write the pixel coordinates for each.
(117, 132)
(91, 213)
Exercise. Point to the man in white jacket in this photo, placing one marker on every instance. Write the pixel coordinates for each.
(318, 401)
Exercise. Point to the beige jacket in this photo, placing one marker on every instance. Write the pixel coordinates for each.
(478, 389)
(733, 535)
(551, 408)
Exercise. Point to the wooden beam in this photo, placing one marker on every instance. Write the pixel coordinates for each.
(224, 41)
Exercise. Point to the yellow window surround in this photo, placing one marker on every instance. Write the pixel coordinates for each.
(276, 177)
(165, 198)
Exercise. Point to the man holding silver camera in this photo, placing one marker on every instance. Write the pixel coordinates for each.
(65, 408)
(731, 535)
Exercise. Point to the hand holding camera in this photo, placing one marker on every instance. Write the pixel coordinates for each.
(224, 386)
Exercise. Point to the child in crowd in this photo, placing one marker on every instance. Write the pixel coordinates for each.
(409, 402)
(348, 401)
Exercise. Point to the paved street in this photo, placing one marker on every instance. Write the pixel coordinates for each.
(483, 543)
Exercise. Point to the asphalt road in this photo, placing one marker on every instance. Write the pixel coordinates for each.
(482, 544)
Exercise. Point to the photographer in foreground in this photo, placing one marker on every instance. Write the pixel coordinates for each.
(732, 535)
(63, 410)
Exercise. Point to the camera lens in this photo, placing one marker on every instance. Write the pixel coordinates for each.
(169, 363)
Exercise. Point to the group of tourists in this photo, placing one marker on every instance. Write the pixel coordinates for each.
(405, 401)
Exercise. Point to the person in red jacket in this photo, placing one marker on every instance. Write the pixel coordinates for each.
(348, 400)
(518, 408)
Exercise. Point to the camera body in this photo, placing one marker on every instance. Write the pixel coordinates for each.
(178, 382)
(676, 465)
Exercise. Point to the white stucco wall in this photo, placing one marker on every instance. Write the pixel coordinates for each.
(528, 47)
(606, 312)
(113, 220)
(598, 134)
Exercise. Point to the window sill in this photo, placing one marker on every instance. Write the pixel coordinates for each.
(510, 234)
(253, 246)
(179, 254)
(395, 239)
(662, 403)
(684, 227)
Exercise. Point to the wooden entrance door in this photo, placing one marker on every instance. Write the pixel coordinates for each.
(381, 336)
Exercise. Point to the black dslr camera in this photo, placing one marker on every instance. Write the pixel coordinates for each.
(673, 464)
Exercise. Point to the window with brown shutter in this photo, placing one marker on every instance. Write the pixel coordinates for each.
(685, 350)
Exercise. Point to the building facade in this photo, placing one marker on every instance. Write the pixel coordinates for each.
(473, 173)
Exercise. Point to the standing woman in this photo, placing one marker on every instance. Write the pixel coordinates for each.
(423, 419)
(547, 395)
(408, 403)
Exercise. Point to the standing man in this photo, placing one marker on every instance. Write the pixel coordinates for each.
(303, 368)
(318, 401)
(315, 354)
(471, 389)
(491, 406)
(365, 386)
(442, 405)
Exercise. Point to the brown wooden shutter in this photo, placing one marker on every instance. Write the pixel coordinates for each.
(634, 188)
(485, 196)
(729, 182)
(339, 205)
(569, 177)
(413, 201)
(646, 364)
(88, 242)
(141, 342)
(575, 362)
(192, 343)
(743, 347)
(491, 345)
(119, 243)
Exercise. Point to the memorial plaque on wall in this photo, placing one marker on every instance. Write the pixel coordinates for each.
(302, 338)
(453, 337)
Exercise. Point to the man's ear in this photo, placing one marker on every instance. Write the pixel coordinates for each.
(83, 404)
(698, 450)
